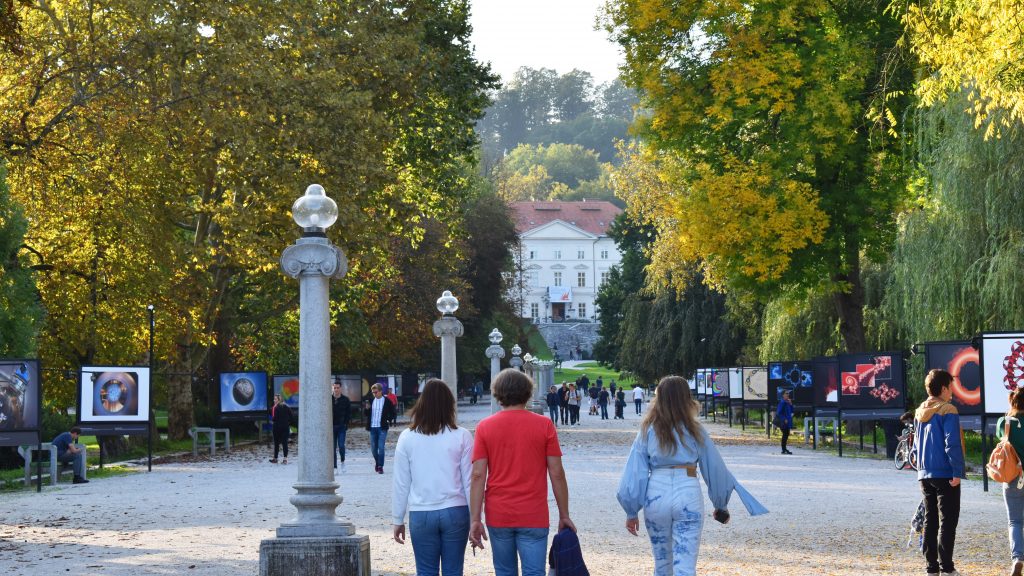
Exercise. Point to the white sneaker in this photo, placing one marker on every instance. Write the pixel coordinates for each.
(953, 573)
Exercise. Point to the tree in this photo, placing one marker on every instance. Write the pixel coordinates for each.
(976, 44)
(20, 314)
(770, 129)
(156, 149)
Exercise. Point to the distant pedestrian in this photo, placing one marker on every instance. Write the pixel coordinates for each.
(620, 404)
(661, 478)
(394, 402)
(563, 402)
(281, 416)
(784, 418)
(638, 398)
(612, 387)
(341, 412)
(433, 461)
(600, 383)
(593, 394)
(940, 466)
(573, 399)
(602, 401)
(515, 453)
(1013, 492)
(553, 404)
(378, 419)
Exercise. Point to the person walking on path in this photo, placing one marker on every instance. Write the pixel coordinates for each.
(573, 399)
(602, 401)
(70, 451)
(553, 404)
(1013, 492)
(514, 454)
(341, 412)
(940, 461)
(661, 478)
(431, 480)
(563, 402)
(378, 415)
(620, 404)
(784, 418)
(638, 398)
(281, 416)
(593, 393)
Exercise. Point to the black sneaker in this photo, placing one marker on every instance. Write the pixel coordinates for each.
(79, 480)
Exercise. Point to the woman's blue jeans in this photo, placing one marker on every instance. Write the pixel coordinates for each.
(439, 537)
(1014, 498)
(674, 517)
(378, 436)
(530, 544)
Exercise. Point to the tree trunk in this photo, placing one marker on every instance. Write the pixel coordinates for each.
(179, 407)
(850, 307)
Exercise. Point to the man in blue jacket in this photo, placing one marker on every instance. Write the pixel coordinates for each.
(940, 460)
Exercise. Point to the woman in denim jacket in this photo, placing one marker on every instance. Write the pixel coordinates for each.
(661, 478)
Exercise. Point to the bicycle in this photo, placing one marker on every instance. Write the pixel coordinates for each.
(905, 453)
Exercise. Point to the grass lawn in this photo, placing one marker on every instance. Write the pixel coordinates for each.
(593, 370)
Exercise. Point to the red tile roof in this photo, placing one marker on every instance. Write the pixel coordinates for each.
(593, 216)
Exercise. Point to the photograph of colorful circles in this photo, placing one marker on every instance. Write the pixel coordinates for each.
(113, 394)
(243, 392)
(963, 362)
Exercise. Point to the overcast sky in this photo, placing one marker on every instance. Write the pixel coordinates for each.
(557, 34)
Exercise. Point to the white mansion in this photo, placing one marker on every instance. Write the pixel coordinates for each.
(565, 256)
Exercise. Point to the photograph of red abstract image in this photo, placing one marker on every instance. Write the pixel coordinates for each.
(870, 380)
(963, 362)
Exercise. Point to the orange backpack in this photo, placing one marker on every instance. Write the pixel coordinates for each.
(1004, 463)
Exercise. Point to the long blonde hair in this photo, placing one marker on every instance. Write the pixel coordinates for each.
(673, 410)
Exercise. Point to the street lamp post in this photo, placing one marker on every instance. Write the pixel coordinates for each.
(515, 361)
(495, 352)
(152, 370)
(316, 542)
(448, 328)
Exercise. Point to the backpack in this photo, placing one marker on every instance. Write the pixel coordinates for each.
(1004, 463)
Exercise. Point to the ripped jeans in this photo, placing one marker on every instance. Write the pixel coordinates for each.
(674, 517)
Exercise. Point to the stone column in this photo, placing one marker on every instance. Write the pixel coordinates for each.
(495, 353)
(448, 328)
(316, 542)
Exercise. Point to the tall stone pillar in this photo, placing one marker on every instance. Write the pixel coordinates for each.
(495, 352)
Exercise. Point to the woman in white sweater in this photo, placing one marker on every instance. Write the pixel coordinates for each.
(431, 482)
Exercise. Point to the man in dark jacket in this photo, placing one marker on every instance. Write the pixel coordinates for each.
(281, 416)
(379, 414)
(563, 402)
(940, 461)
(602, 401)
(553, 404)
(341, 409)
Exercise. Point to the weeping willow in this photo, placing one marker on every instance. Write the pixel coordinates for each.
(958, 264)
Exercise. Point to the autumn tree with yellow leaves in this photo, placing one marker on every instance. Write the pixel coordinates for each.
(769, 158)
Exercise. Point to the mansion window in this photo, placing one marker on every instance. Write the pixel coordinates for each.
(532, 255)
(581, 279)
(580, 254)
(583, 309)
(558, 278)
(605, 276)
(558, 254)
(604, 254)
(534, 310)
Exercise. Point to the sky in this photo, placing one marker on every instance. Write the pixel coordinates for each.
(556, 34)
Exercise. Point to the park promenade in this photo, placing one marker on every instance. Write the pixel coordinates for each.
(847, 516)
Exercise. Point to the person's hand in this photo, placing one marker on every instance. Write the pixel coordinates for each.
(721, 515)
(954, 482)
(477, 534)
(632, 525)
(399, 533)
(566, 523)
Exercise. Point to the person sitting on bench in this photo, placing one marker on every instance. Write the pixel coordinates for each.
(70, 451)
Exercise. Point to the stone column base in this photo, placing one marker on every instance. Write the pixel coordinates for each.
(332, 556)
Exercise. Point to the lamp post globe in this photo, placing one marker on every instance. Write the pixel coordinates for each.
(447, 304)
(495, 337)
(314, 211)
(516, 350)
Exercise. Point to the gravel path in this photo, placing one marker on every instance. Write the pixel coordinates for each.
(829, 515)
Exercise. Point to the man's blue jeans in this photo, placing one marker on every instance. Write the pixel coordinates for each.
(1014, 498)
(530, 544)
(339, 441)
(378, 436)
(553, 410)
(77, 460)
(439, 536)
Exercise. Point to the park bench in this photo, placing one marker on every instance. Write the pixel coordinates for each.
(211, 434)
(826, 427)
(48, 456)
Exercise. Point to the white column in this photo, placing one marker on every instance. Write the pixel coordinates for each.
(314, 261)
(448, 328)
(495, 353)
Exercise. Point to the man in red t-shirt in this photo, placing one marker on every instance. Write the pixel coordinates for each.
(514, 453)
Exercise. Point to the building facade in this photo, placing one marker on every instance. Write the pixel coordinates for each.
(565, 255)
